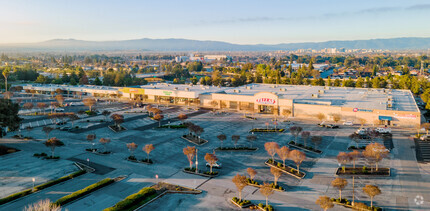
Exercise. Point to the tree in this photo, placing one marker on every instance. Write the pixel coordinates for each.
(9, 115)
(104, 142)
(131, 147)
(276, 174)
(47, 130)
(305, 136)
(211, 159)
(90, 138)
(97, 81)
(286, 112)
(354, 155)
(271, 148)
(375, 152)
(43, 205)
(72, 117)
(60, 99)
(53, 143)
(90, 102)
(28, 105)
(214, 104)
(158, 118)
(343, 158)
(356, 138)
(222, 137)
(283, 153)
(6, 73)
(362, 121)
(336, 117)
(41, 106)
(316, 140)
(360, 206)
(190, 152)
(240, 182)
(148, 149)
(7, 95)
(106, 113)
(324, 202)
(182, 117)
(295, 131)
(340, 184)
(426, 127)
(235, 139)
(251, 138)
(371, 191)
(251, 172)
(266, 190)
(298, 157)
(118, 119)
(321, 116)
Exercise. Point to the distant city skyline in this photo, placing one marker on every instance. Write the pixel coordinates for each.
(239, 22)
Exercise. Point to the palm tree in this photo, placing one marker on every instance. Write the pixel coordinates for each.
(6, 73)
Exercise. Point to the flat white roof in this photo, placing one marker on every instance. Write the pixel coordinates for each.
(198, 89)
(335, 96)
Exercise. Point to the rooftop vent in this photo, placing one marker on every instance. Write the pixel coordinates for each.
(327, 88)
(283, 89)
(321, 91)
(315, 95)
(249, 87)
(176, 88)
(187, 89)
(237, 91)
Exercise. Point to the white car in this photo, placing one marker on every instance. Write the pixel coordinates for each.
(348, 123)
(361, 131)
(383, 130)
(215, 165)
(59, 110)
(425, 138)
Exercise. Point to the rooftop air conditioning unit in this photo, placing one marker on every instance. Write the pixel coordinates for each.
(249, 87)
(283, 89)
(237, 91)
(390, 105)
(321, 91)
(187, 89)
(176, 88)
(327, 88)
(315, 95)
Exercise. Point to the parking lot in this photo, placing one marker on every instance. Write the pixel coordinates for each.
(169, 160)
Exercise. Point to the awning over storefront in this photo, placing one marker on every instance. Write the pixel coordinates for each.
(388, 118)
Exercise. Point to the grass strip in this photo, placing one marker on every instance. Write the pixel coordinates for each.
(77, 194)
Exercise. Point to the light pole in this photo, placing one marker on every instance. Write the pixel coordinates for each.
(34, 180)
(88, 161)
(197, 162)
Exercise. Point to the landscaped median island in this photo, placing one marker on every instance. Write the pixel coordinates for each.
(303, 147)
(286, 169)
(266, 130)
(255, 183)
(89, 189)
(134, 159)
(200, 173)
(147, 195)
(241, 203)
(180, 126)
(194, 139)
(362, 171)
(357, 205)
(40, 187)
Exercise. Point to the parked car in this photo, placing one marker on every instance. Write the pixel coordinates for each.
(361, 131)
(65, 128)
(425, 138)
(332, 126)
(383, 130)
(59, 110)
(349, 123)
(216, 165)
(61, 123)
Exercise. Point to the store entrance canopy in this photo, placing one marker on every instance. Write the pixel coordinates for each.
(388, 118)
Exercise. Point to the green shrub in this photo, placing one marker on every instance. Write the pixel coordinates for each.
(260, 205)
(343, 168)
(135, 199)
(15, 196)
(338, 200)
(292, 170)
(77, 194)
(279, 164)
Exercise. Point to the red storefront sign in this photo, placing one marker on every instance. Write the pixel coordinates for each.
(266, 101)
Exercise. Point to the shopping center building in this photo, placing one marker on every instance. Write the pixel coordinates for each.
(375, 106)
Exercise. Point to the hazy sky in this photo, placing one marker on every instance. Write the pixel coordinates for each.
(236, 21)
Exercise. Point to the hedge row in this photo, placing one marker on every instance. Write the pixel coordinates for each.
(40, 187)
(133, 200)
(66, 199)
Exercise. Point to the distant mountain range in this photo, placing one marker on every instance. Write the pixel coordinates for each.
(72, 45)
